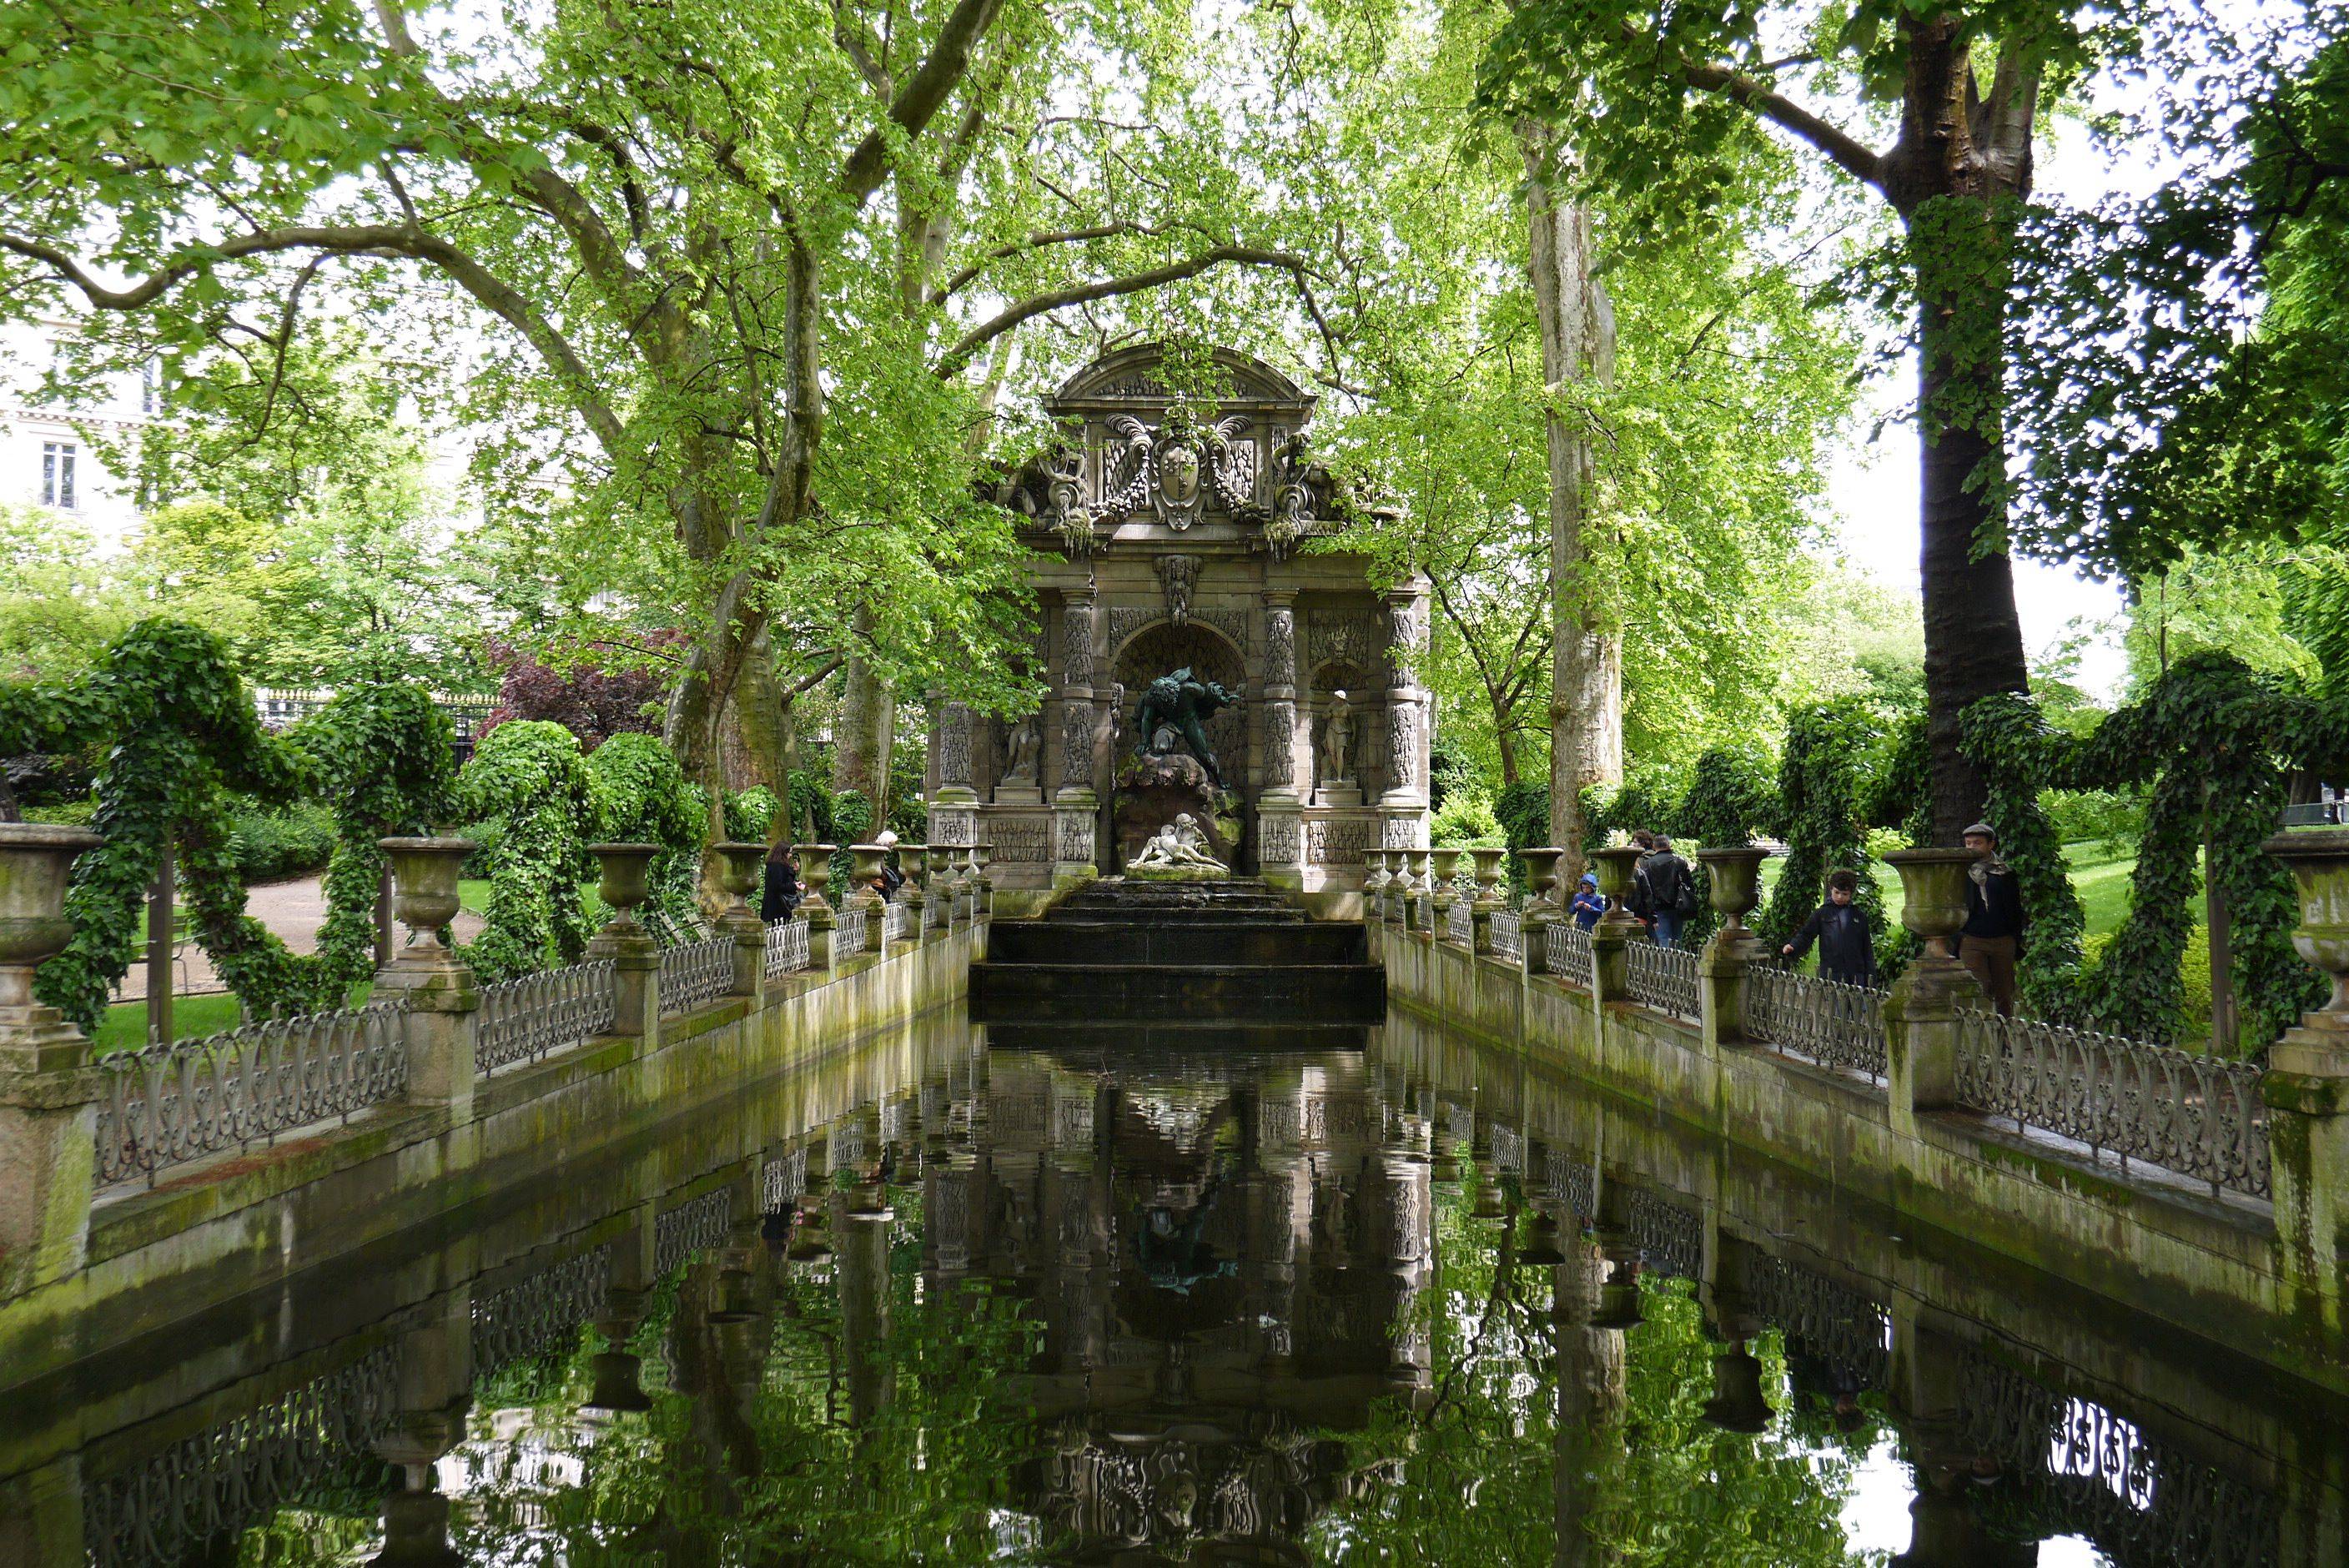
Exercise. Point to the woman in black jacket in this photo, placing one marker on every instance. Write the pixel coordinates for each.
(780, 894)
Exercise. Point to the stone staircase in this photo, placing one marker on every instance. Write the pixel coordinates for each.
(1161, 953)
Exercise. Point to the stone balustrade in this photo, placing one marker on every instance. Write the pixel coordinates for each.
(173, 1157)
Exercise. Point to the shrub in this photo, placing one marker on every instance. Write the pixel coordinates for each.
(67, 814)
(750, 814)
(1465, 821)
(530, 776)
(271, 842)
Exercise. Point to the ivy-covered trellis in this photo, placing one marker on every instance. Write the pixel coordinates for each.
(180, 736)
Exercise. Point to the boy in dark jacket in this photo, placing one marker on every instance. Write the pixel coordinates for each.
(1846, 947)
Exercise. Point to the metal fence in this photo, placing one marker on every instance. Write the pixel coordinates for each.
(787, 946)
(1834, 1025)
(182, 1099)
(541, 1311)
(1663, 978)
(696, 974)
(1460, 924)
(317, 1443)
(848, 934)
(1509, 935)
(534, 1015)
(2201, 1116)
(895, 920)
(1566, 954)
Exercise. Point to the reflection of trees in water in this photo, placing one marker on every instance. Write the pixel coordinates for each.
(1551, 1440)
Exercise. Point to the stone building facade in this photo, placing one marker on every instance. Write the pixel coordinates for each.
(1167, 535)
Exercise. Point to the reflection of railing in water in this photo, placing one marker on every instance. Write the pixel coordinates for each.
(1826, 1321)
(1671, 1237)
(2076, 1469)
(314, 1445)
(695, 1225)
(2202, 1117)
(540, 1310)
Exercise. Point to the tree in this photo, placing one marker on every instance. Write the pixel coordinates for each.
(1654, 105)
(663, 214)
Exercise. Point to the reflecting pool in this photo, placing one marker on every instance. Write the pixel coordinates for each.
(1117, 1296)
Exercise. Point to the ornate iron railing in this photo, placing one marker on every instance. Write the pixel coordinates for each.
(696, 975)
(697, 1224)
(848, 934)
(531, 1016)
(1573, 1183)
(2071, 1467)
(1566, 952)
(1460, 924)
(784, 1180)
(182, 1099)
(1509, 935)
(787, 946)
(1671, 1237)
(540, 1310)
(1663, 978)
(1423, 911)
(1832, 1323)
(2201, 1116)
(893, 921)
(317, 1443)
(1834, 1025)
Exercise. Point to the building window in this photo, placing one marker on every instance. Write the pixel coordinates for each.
(57, 487)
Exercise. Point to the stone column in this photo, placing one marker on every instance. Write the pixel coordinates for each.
(436, 1376)
(49, 1110)
(1407, 736)
(1733, 886)
(2307, 1087)
(1076, 807)
(1920, 1016)
(634, 954)
(742, 865)
(1280, 823)
(442, 1019)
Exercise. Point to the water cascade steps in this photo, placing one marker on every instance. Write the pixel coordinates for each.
(1235, 952)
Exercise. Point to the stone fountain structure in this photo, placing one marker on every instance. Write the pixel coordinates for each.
(1165, 535)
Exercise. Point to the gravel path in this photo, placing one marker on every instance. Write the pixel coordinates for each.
(293, 911)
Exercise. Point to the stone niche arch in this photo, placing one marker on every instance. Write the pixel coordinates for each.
(1362, 700)
(1161, 647)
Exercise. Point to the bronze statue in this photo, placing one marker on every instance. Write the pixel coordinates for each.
(1174, 713)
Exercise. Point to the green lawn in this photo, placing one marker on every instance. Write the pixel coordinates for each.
(2099, 876)
(124, 1027)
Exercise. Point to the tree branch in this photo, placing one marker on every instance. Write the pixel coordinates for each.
(1842, 149)
(921, 95)
(979, 336)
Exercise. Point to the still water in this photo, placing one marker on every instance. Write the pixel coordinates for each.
(1129, 1297)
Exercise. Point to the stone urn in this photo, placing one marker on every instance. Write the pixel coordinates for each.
(739, 865)
(1933, 883)
(2319, 860)
(1733, 886)
(626, 881)
(815, 875)
(1616, 865)
(36, 864)
(865, 864)
(424, 874)
(939, 863)
(1446, 868)
(1488, 873)
(1541, 876)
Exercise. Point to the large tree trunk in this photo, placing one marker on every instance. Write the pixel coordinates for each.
(862, 733)
(1960, 166)
(1577, 338)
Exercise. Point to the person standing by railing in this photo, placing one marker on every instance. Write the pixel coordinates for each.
(780, 893)
(1994, 919)
(1672, 895)
(1846, 945)
(1589, 904)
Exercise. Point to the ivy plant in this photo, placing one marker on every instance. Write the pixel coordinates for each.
(529, 780)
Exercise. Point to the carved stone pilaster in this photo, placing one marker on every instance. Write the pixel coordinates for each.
(1077, 643)
(1076, 743)
(1279, 641)
(1280, 745)
(954, 746)
(1402, 744)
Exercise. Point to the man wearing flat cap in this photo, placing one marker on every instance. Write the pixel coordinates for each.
(1993, 927)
